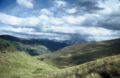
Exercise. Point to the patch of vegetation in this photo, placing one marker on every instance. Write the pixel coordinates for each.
(108, 67)
(21, 65)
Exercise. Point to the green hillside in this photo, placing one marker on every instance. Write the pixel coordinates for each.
(21, 65)
(108, 67)
(81, 53)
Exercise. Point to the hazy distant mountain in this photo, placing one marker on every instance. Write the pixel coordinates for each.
(50, 44)
(12, 44)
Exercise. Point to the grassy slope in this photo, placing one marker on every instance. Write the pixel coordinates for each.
(81, 53)
(21, 65)
(108, 67)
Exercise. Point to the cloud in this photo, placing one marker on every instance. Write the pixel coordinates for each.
(32, 33)
(46, 12)
(74, 20)
(7, 19)
(107, 17)
(51, 27)
(93, 31)
(89, 6)
(111, 22)
(110, 15)
(59, 3)
(42, 19)
(25, 3)
(72, 10)
(61, 33)
(17, 21)
(89, 20)
(109, 6)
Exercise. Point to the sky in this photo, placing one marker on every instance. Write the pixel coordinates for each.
(91, 20)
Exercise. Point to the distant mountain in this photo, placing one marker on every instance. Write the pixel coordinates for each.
(50, 44)
(12, 44)
(81, 53)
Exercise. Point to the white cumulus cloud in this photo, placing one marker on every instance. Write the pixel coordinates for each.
(17, 21)
(72, 10)
(25, 3)
(61, 21)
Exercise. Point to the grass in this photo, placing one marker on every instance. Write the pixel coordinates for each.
(19, 65)
(108, 67)
(22, 65)
(81, 53)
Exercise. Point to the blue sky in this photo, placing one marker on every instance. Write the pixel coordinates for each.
(61, 19)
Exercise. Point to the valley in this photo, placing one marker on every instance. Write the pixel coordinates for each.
(81, 60)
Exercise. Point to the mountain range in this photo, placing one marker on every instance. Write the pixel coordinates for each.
(23, 58)
(34, 46)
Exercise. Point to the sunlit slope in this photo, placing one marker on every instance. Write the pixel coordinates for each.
(21, 65)
(108, 67)
(81, 53)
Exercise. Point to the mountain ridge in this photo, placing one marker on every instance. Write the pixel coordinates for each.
(50, 44)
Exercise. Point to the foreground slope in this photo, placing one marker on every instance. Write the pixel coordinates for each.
(21, 65)
(108, 67)
(81, 53)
